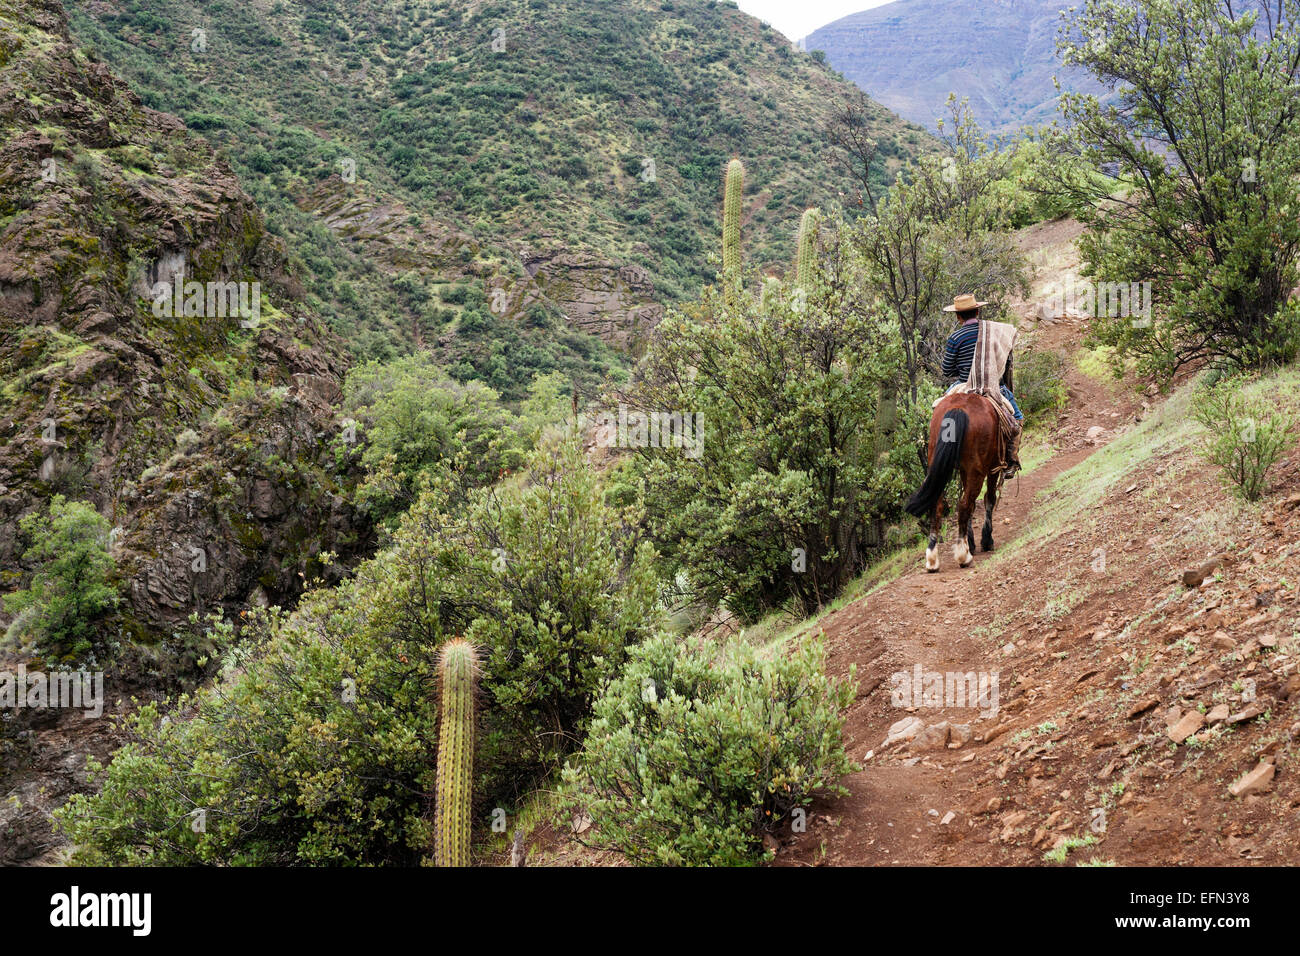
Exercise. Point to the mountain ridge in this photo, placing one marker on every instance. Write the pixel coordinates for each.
(910, 54)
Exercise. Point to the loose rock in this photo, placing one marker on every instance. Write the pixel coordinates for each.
(1191, 722)
(902, 730)
(1259, 780)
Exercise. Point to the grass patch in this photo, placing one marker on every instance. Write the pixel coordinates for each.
(536, 810)
(1098, 364)
(1059, 854)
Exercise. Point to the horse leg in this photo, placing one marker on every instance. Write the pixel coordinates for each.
(936, 523)
(965, 544)
(990, 502)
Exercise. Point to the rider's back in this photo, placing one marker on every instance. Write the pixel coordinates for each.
(959, 352)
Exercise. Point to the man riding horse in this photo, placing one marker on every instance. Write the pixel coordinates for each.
(974, 430)
(959, 353)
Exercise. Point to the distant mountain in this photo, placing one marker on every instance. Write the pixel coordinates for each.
(518, 186)
(911, 54)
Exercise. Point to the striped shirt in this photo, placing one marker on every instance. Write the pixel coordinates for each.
(960, 351)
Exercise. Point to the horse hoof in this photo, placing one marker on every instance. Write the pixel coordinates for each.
(932, 561)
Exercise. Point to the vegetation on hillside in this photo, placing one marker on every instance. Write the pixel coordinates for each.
(72, 585)
(417, 156)
(513, 631)
(696, 752)
(319, 743)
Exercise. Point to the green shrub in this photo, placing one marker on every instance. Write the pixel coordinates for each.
(778, 500)
(419, 425)
(696, 751)
(1040, 382)
(1027, 193)
(319, 745)
(71, 588)
(1246, 436)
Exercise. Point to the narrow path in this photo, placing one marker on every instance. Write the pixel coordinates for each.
(946, 621)
(931, 620)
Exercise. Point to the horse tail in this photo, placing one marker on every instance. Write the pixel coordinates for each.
(952, 430)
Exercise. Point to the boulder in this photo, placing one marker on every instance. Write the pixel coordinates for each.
(934, 737)
(902, 730)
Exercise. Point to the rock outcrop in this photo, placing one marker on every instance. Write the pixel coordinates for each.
(197, 426)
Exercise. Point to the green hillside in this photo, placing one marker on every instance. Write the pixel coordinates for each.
(567, 154)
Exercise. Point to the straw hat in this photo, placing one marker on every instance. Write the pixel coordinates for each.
(964, 303)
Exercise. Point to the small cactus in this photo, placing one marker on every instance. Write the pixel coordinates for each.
(457, 674)
(735, 188)
(807, 261)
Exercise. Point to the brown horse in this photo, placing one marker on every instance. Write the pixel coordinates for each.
(965, 438)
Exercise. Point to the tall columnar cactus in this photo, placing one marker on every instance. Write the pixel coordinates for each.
(807, 261)
(731, 223)
(457, 673)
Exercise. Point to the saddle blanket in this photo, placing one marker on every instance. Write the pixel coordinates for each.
(994, 344)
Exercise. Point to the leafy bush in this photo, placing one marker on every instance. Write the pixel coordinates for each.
(319, 744)
(795, 464)
(695, 752)
(419, 425)
(1246, 436)
(1027, 193)
(1040, 382)
(552, 582)
(71, 588)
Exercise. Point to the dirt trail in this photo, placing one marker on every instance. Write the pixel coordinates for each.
(1141, 719)
(894, 811)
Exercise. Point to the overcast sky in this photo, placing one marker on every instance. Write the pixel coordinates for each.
(798, 18)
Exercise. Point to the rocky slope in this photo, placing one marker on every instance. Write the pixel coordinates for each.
(910, 54)
(169, 423)
(206, 436)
